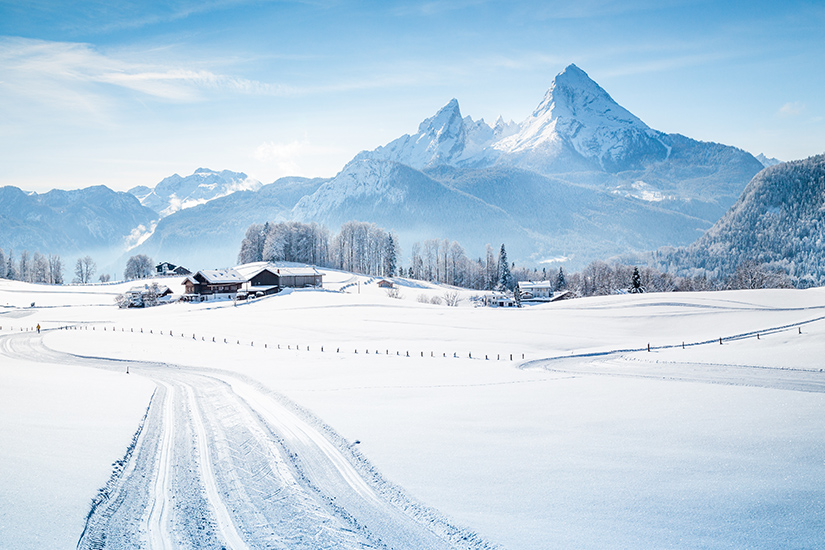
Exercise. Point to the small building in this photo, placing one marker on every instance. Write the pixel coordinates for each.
(143, 296)
(167, 269)
(213, 283)
(383, 283)
(536, 291)
(499, 299)
(262, 278)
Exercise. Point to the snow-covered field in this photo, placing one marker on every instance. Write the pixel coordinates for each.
(312, 420)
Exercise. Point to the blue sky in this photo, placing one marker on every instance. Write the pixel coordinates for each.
(126, 93)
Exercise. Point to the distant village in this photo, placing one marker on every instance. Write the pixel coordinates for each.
(259, 279)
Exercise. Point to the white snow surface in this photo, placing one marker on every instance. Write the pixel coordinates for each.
(578, 445)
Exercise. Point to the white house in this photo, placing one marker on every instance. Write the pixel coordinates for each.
(499, 299)
(536, 291)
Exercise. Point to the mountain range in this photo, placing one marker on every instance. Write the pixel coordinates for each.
(580, 178)
(95, 221)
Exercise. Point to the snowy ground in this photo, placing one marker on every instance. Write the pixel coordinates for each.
(250, 439)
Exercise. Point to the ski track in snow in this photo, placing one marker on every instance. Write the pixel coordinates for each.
(221, 462)
(627, 362)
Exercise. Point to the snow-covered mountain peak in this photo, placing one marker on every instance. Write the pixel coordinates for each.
(177, 193)
(444, 138)
(573, 94)
(446, 121)
(577, 117)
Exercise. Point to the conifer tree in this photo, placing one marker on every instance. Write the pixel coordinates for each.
(636, 282)
(505, 277)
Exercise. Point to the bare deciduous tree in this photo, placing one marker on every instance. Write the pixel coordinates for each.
(84, 268)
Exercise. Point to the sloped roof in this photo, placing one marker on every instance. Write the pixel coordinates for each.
(221, 276)
(251, 269)
(536, 284)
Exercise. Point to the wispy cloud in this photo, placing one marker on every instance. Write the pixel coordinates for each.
(64, 72)
(668, 63)
(792, 109)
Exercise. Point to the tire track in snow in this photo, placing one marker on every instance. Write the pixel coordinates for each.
(157, 521)
(225, 524)
(224, 462)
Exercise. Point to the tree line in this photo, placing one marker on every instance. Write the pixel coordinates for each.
(365, 248)
(31, 268)
(48, 269)
(359, 246)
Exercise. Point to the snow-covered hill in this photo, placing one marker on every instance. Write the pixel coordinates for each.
(349, 420)
(778, 221)
(177, 193)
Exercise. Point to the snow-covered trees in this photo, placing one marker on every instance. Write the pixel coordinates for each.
(561, 281)
(285, 242)
(751, 275)
(138, 267)
(365, 248)
(55, 270)
(84, 268)
(636, 282)
(505, 277)
(252, 246)
(36, 268)
(359, 246)
(777, 223)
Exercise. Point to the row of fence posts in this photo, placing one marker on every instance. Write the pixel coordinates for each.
(297, 347)
(758, 337)
(338, 350)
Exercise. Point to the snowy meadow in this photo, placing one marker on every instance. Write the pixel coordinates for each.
(392, 422)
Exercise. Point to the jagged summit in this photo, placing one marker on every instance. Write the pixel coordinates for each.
(444, 138)
(575, 95)
(577, 126)
(177, 193)
(447, 119)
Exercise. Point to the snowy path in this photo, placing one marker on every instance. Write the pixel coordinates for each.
(622, 364)
(222, 462)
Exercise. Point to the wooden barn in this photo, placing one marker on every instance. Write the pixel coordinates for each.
(262, 278)
(213, 282)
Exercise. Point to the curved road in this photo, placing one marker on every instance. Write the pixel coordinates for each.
(221, 462)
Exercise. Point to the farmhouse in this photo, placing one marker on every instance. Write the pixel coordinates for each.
(499, 299)
(143, 296)
(218, 283)
(383, 283)
(253, 279)
(165, 268)
(536, 291)
(263, 278)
